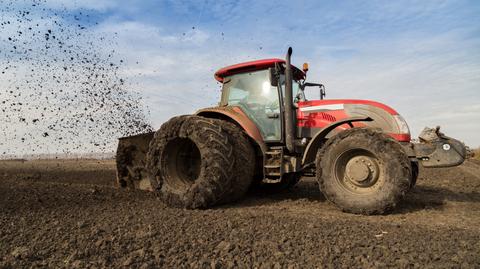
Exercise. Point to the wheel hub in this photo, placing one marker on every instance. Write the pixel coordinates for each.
(361, 171)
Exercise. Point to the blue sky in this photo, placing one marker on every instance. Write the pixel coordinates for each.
(420, 57)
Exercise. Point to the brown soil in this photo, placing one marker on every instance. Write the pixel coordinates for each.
(69, 214)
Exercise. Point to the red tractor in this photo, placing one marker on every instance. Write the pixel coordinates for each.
(265, 134)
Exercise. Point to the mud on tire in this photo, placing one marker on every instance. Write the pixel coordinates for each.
(363, 171)
(244, 158)
(168, 131)
(193, 160)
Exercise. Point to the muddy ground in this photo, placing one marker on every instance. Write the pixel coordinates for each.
(68, 214)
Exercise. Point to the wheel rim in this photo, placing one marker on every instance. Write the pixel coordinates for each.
(358, 171)
(181, 163)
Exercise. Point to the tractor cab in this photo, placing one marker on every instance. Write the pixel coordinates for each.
(258, 88)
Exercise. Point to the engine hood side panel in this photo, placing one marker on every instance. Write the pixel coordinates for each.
(319, 113)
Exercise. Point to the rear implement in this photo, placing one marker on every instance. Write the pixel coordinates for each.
(131, 161)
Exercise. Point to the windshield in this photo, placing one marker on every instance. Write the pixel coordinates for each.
(256, 96)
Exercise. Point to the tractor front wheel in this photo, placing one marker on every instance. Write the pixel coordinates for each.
(363, 171)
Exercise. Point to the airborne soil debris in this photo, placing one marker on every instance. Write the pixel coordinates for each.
(61, 88)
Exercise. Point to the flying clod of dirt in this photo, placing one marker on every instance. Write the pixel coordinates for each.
(61, 88)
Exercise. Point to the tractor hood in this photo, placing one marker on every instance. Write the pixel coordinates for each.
(319, 113)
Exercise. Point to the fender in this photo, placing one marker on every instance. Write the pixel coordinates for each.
(316, 142)
(236, 115)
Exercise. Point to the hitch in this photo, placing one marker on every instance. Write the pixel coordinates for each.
(435, 149)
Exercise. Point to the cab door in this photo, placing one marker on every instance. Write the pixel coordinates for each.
(258, 99)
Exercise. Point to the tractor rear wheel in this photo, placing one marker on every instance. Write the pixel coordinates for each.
(363, 171)
(244, 158)
(168, 131)
(193, 159)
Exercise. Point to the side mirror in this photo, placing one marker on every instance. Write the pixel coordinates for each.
(322, 92)
(322, 88)
(273, 76)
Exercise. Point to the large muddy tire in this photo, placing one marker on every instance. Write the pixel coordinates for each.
(363, 171)
(168, 131)
(244, 158)
(193, 159)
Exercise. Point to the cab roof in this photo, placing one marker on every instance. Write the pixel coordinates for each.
(254, 66)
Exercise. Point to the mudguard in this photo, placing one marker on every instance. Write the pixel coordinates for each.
(236, 115)
(312, 147)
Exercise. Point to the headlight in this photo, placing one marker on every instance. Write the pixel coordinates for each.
(402, 124)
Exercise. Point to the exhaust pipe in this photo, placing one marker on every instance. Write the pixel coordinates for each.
(288, 104)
